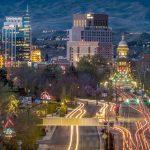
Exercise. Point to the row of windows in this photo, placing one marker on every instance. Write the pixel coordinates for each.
(95, 33)
(79, 23)
(14, 20)
(100, 23)
(122, 63)
(96, 39)
(84, 23)
(78, 50)
(104, 48)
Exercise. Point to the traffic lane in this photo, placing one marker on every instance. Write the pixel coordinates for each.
(127, 111)
(61, 136)
(60, 139)
(89, 139)
(91, 110)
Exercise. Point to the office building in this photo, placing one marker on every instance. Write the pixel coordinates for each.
(16, 39)
(89, 35)
(24, 39)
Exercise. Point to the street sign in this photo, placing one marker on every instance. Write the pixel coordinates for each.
(104, 136)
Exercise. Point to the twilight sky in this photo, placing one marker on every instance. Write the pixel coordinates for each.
(127, 15)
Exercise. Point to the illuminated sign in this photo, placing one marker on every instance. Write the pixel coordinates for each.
(45, 96)
(89, 16)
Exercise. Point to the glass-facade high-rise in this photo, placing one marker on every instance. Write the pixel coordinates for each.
(16, 38)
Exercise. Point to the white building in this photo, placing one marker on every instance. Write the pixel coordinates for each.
(89, 35)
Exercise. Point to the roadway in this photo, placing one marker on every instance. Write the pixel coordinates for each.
(128, 136)
(74, 137)
(89, 138)
(133, 135)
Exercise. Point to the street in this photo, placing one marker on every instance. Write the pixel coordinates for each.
(83, 138)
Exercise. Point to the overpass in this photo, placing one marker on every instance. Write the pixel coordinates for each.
(58, 121)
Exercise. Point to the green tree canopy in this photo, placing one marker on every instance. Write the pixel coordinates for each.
(53, 71)
(85, 64)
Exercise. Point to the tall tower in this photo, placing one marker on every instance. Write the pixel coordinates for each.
(24, 52)
(122, 57)
(16, 38)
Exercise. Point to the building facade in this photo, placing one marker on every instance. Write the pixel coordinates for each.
(89, 35)
(36, 56)
(123, 65)
(1, 61)
(16, 38)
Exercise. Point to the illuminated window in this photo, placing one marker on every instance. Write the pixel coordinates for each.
(80, 23)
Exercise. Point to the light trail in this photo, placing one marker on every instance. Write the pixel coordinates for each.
(123, 135)
(79, 115)
(127, 138)
(71, 138)
(74, 111)
(142, 128)
(140, 133)
(143, 137)
(138, 139)
(102, 111)
(72, 127)
(77, 130)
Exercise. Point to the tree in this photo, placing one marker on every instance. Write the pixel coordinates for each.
(85, 64)
(53, 71)
(3, 77)
(3, 74)
(71, 71)
(98, 61)
(27, 130)
(12, 106)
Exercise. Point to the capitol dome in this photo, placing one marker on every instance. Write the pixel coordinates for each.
(123, 42)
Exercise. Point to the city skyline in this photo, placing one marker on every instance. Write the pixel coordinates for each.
(69, 81)
(46, 15)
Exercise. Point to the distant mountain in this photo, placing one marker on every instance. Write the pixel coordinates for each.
(127, 15)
